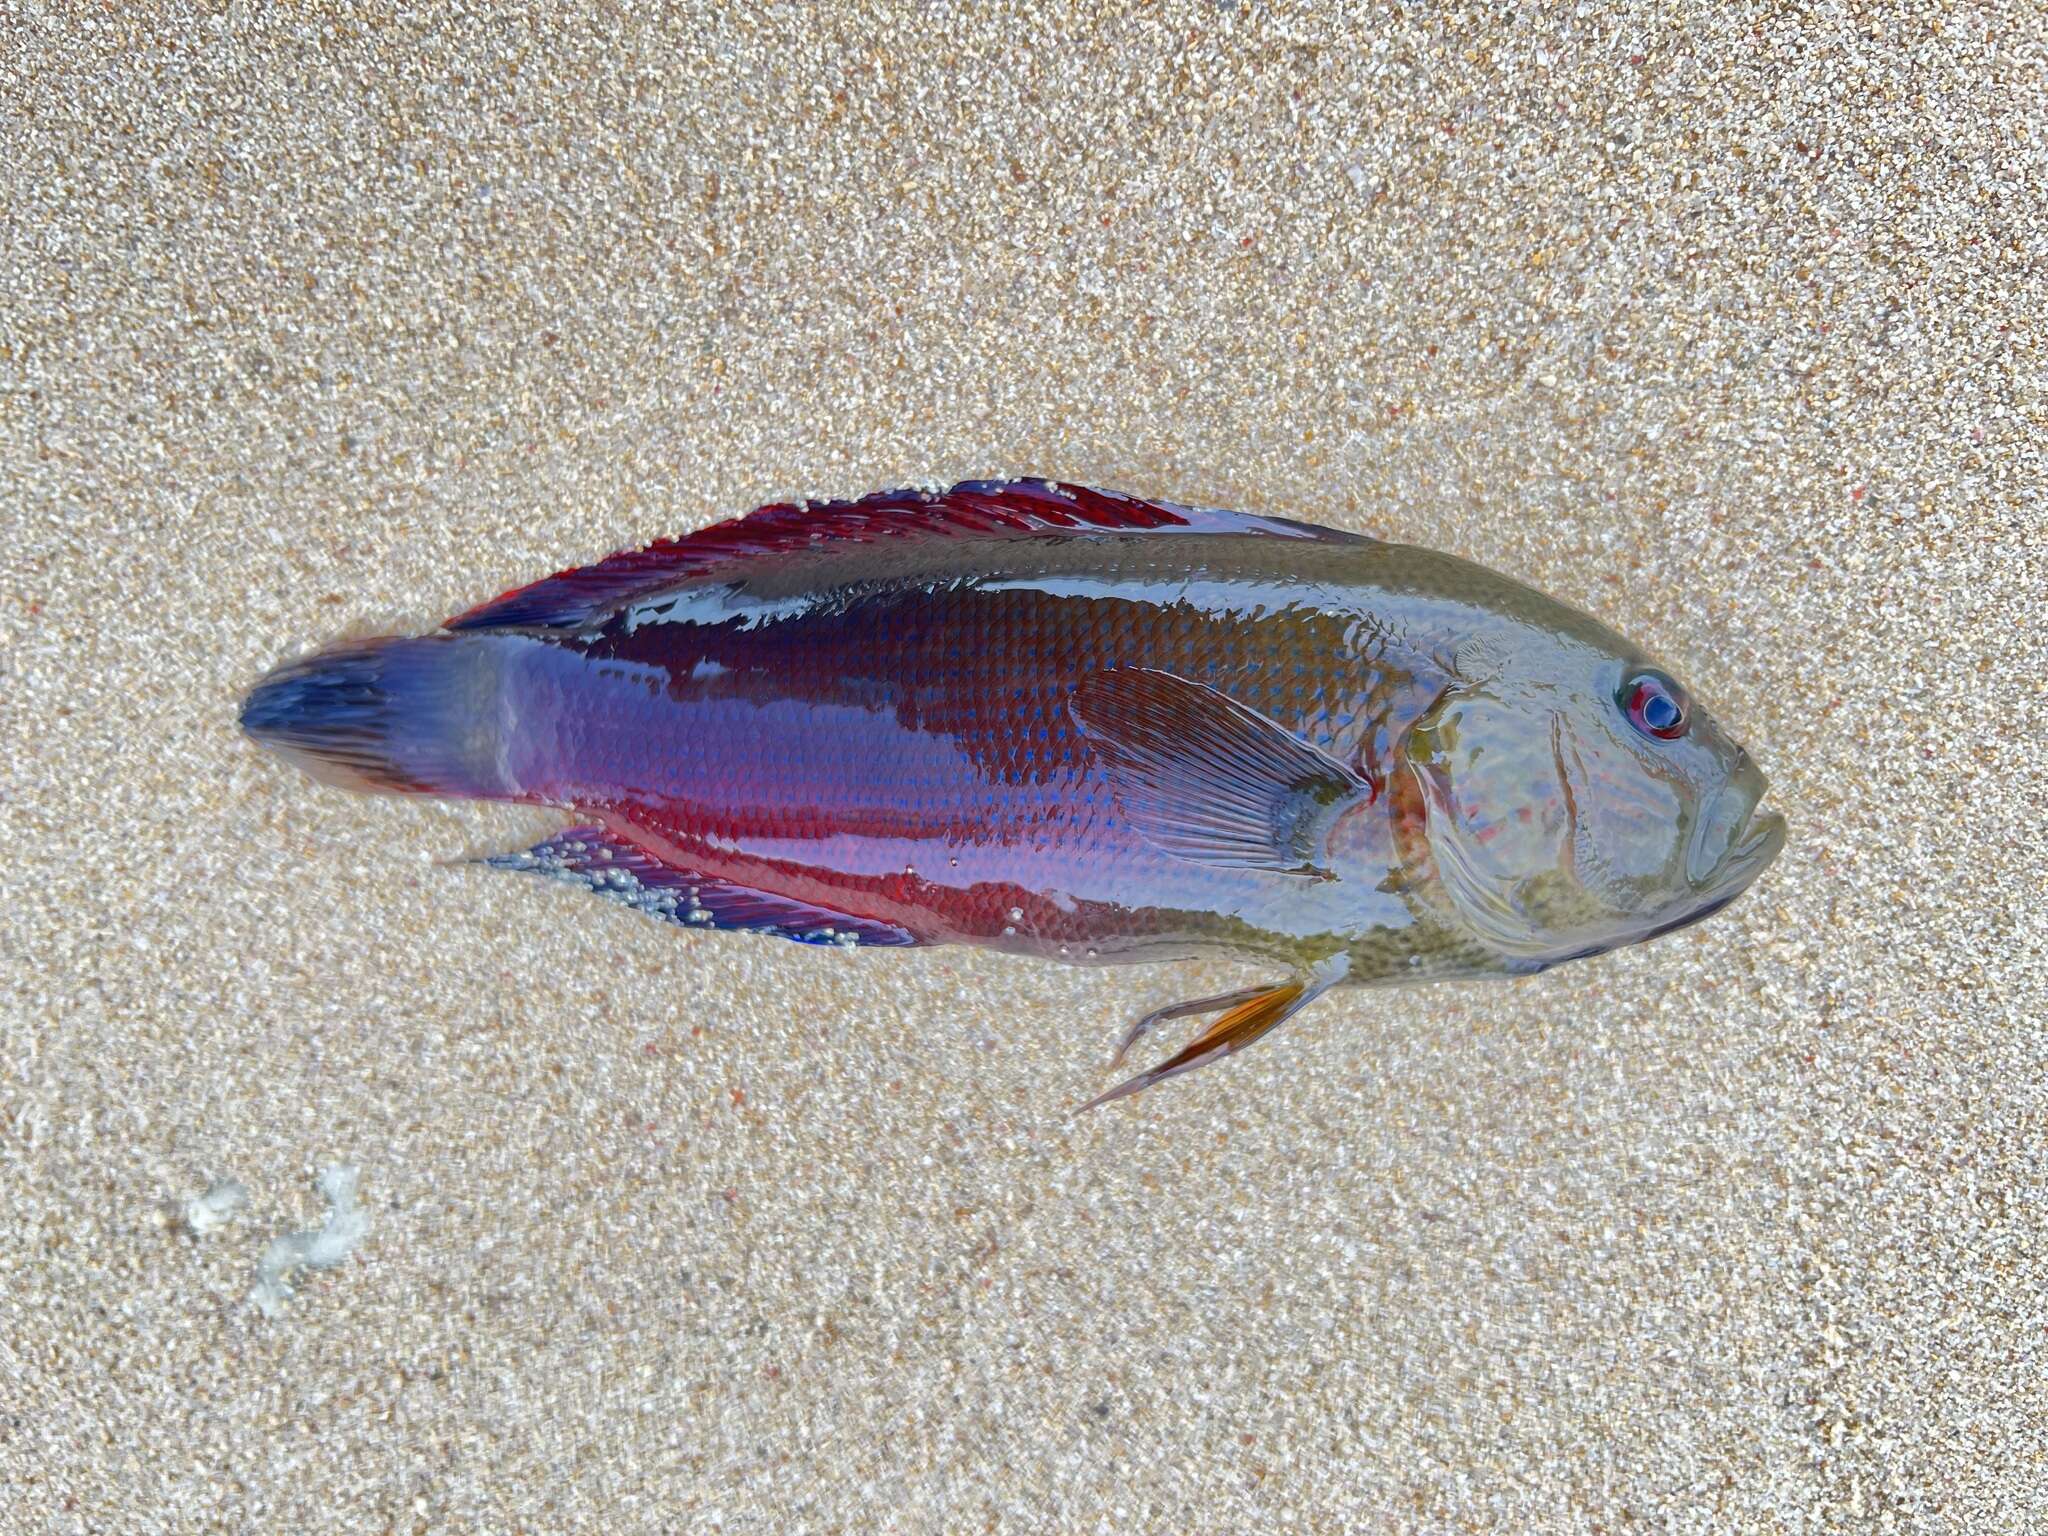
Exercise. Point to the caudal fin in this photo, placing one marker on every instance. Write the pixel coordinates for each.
(402, 714)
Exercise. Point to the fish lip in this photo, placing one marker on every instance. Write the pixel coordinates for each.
(1763, 836)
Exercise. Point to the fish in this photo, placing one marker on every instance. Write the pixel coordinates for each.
(1065, 722)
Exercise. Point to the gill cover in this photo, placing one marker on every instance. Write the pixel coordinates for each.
(1549, 837)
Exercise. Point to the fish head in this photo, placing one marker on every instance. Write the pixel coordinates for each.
(1573, 797)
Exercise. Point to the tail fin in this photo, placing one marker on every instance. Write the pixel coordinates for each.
(410, 715)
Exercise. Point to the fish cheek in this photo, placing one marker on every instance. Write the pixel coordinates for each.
(1629, 824)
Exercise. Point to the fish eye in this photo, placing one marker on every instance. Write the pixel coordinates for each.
(1655, 705)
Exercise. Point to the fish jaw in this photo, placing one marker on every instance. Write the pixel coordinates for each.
(1749, 856)
(1735, 838)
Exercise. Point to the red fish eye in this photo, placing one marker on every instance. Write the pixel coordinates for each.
(1654, 705)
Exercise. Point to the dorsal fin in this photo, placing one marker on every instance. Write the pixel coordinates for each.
(973, 508)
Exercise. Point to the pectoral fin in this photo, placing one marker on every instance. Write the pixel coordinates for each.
(1248, 1016)
(1207, 779)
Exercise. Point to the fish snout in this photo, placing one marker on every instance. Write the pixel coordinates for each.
(1735, 839)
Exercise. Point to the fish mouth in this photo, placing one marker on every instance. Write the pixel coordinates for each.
(1762, 835)
(1734, 839)
(1743, 853)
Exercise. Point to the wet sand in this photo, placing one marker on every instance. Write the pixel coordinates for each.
(1727, 330)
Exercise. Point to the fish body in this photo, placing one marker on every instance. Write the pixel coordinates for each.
(1064, 722)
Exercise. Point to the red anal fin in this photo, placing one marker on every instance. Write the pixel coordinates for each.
(973, 508)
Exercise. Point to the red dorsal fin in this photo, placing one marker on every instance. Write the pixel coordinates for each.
(973, 508)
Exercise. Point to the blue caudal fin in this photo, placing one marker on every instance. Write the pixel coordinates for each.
(594, 858)
(411, 716)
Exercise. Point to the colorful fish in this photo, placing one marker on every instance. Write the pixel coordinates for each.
(1070, 723)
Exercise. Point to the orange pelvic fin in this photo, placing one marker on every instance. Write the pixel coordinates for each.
(1235, 1030)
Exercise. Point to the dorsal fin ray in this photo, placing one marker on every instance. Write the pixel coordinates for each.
(973, 508)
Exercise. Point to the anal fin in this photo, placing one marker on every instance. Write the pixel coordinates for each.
(614, 868)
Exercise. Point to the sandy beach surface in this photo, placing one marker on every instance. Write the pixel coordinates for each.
(1722, 323)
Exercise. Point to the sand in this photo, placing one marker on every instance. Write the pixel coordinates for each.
(1724, 325)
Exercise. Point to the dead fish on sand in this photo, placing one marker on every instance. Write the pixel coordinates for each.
(1069, 723)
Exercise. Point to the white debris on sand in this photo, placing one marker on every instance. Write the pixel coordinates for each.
(320, 1249)
(223, 1201)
